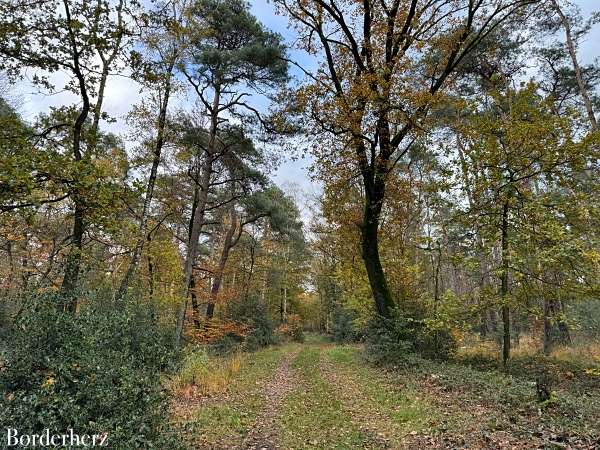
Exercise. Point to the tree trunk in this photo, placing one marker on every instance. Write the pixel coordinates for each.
(280, 305)
(139, 244)
(198, 222)
(548, 339)
(556, 331)
(504, 288)
(370, 255)
(564, 335)
(73, 263)
(195, 307)
(228, 243)
(25, 273)
(150, 273)
(250, 271)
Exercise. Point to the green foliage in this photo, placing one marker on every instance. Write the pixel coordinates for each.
(227, 344)
(231, 45)
(194, 365)
(343, 329)
(391, 341)
(256, 315)
(263, 331)
(95, 372)
(586, 315)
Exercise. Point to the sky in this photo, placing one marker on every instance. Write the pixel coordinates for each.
(292, 174)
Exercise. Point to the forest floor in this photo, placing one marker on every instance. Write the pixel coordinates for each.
(318, 395)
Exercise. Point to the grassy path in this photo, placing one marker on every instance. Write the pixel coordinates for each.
(322, 396)
(318, 396)
(263, 433)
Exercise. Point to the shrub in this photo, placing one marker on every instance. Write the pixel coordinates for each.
(389, 340)
(292, 329)
(195, 366)
(343, 329)
(261, 328)
(95, 372)
(226, 344)
(392, 340)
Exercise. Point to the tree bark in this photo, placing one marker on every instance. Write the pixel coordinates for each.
(150, 273)
(556, 331)
(228, 244)
(195, 307)
(73, 262)
(504, 287)
(370, 254)
(106, 63)
(198, 222)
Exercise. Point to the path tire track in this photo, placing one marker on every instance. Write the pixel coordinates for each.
(339, 383)
(264, 435)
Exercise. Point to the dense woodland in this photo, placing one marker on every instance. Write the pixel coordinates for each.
(455, 150)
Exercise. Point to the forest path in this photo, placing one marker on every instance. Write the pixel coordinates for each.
(342, 403)
(263, 435)
(320, 395)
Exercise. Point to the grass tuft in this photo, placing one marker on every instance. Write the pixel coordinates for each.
(209, 375)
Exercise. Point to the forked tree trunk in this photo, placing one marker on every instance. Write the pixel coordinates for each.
(73, 263)
(228, 244)
(199, 212)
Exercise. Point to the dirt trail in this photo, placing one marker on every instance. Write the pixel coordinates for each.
(369, 424)
(263, 436)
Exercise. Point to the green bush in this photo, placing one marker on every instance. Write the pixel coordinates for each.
(388, 340)
(225, 345)
(391, 341)
(255, 314)
(292, 329)
(343, 330)
(262, 333)
(95, 372)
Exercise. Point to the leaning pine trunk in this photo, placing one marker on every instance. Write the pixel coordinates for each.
(141, 235)
(200, 210)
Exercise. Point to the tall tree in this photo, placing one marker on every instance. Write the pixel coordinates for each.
(573, 34)
(511, 146)
(163, 49)
(67, 36)
(229, 54)
(385, 66)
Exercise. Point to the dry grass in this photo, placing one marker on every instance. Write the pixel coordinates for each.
(205, 375)
(588, 354)
(530, 347)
